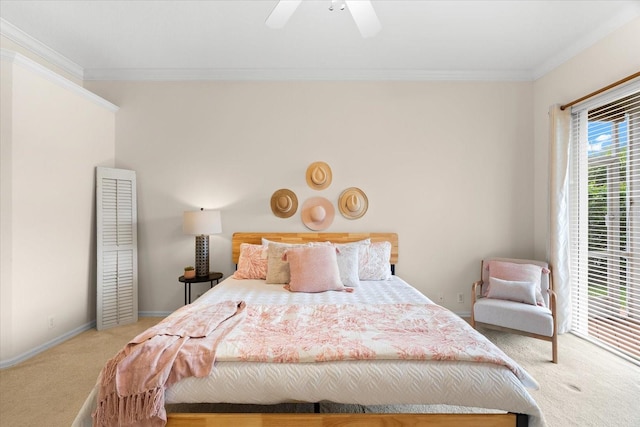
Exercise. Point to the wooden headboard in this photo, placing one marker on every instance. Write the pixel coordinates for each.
(256, 239)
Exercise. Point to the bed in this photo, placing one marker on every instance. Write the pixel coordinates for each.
(249, 379)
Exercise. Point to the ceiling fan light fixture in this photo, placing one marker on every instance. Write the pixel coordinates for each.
(340, 3)
(362, 12)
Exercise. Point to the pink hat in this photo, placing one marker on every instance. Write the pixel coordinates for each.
(317, 213)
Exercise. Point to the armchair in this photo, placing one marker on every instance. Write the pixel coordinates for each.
(516, 296)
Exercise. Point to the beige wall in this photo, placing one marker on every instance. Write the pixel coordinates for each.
(6, 238)
(56, 135)
(445, 165)
(613, 58)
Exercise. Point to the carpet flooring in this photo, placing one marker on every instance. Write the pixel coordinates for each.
(588, 387)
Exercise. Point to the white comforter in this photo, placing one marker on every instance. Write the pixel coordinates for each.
(367, 382)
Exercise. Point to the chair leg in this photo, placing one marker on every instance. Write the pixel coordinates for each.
(554, 348)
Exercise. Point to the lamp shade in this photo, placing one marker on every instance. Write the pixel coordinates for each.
(201, 222)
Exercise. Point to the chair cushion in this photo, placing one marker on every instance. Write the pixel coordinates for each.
(515, 315)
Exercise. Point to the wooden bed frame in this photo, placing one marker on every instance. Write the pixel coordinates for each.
(334, 420)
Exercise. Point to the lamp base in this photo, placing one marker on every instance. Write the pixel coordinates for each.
(202, 256)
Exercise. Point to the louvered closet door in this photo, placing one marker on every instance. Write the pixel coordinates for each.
(117, 269)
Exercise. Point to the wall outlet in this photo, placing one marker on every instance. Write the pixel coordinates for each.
(440, 297)
(52, 322)
(460, 298)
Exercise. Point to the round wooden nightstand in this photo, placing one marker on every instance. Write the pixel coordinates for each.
(187, 283)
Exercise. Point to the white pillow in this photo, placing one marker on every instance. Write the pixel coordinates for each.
(374, 261)
(512, 290)
(348, 264)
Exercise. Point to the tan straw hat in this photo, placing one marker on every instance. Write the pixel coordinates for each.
(284, 203)
(317, 213)
(319, 175)
(353, 203)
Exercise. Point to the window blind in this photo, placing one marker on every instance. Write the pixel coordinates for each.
(605, 220)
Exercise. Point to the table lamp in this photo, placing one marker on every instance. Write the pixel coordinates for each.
(202, 224)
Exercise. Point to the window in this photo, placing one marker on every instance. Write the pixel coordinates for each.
(605, 220)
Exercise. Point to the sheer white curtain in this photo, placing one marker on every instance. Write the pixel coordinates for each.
(559, 231)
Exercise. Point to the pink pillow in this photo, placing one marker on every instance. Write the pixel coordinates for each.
(314, 269)
(252, 262)
(513, 271)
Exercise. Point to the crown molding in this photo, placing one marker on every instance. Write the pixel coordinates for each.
(23, 39)
(597, 34)
(23, 61)
(146, 74)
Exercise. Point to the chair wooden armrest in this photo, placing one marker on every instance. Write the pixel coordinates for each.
(474, 296)
(474, 290)
(553, 301)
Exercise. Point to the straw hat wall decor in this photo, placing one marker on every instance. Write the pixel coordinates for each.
(353, 203)
(317, 213)
(319, 175)
(284, 203)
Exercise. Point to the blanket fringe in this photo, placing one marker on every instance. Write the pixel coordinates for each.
(128, 410)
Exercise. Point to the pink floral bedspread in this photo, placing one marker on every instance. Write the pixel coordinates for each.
(321, 333)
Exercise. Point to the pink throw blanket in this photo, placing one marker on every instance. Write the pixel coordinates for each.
(132, 383)
(322, 333)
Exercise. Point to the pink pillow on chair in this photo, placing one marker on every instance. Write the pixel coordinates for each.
(314, 269)
(514, 271)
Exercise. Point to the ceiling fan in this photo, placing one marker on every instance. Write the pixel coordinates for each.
(361, 10)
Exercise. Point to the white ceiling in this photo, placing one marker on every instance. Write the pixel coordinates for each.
(458, 40)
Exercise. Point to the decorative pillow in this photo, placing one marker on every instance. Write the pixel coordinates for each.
(356, 243)
(348, 264)
(517, 272)
(277, 268)
(314, 269)
(252, 263)
(513, 290)
(374, 261)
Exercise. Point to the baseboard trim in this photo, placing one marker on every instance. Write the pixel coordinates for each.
(154, 313)
(50, 344)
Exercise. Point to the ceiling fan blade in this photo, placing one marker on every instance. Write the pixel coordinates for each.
(365, 17)
(281, 13)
